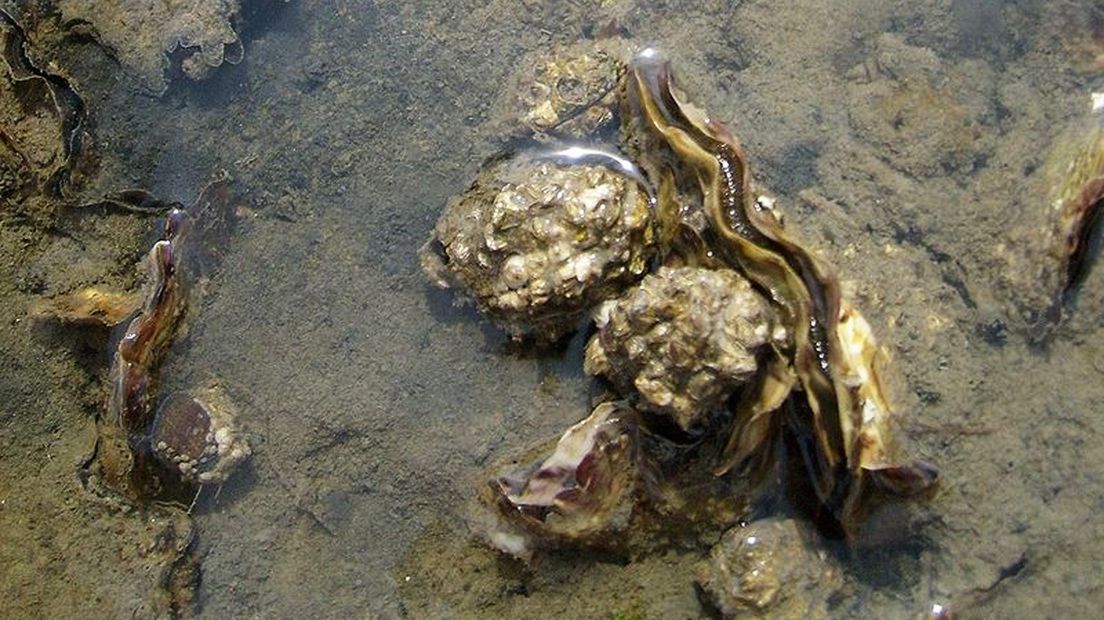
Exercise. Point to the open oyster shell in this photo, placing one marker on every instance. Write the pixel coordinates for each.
(541, 237)
(611, 483)
(582, 492)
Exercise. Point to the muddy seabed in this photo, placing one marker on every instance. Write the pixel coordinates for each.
(373, 405)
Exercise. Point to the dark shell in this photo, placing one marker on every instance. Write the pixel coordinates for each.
(182, 432)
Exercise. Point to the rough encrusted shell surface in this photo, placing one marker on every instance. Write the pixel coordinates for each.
(567, 91)
(683, 340)
(536, 243)
(768, 569)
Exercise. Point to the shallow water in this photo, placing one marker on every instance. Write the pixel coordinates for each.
(375, 406)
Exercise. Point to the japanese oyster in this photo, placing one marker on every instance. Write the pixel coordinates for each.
(611, 483)
(1042, 265)
(42, 124)
(143, 33)
(569, 91)
(684, 340)
(767, 569)
(540, 238)
(581, 492)
(840, 418)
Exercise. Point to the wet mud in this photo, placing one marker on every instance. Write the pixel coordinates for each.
(904, 140)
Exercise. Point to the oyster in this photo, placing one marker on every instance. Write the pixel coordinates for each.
(768, 569)
(143, 451)
(540, 238)
(143, 33)
(1044, 264)
(567, 92)
(581, 492)
(840, 392)
(43, 124)
(684, 340)
(198, 435)
(610, 482)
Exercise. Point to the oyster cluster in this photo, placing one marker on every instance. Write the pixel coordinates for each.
(684, 340)
(541, 237)
(716, 329)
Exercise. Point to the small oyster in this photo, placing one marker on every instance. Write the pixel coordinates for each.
(767, 569)
(580, 493)
(1044, 264)
(569, 91)
(539, 238)
(43, 126)
(143, 33)
(198, 435)
(684, 340)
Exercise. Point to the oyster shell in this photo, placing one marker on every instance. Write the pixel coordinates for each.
(143, 33)
(198, 435)
(684, 340)
(569, 91)
(610, 483)
(539, 238)
(43, 124)
(768, 569)
(582, 492)
(1042, 265)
